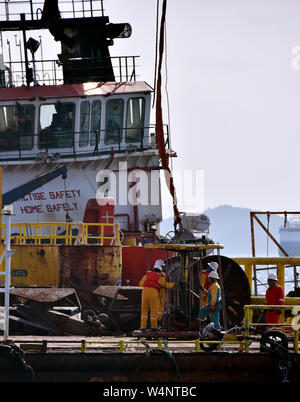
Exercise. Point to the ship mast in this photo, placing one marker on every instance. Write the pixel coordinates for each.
(85, 38)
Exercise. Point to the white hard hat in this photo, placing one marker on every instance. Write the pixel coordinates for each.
(214, 265)
(159, 264)
(213, 274)
(272, 277)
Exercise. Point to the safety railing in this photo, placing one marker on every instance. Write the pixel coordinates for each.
(64, 233)
(279, 263)
(70, 145)
(160, 343)
(284, 326)
(50, 72)
(121, 345)
(11, 9)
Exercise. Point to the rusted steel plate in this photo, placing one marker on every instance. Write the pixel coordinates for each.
(37, 319)
(70, 325)
(44, 295)
(90, 265)
(105, 291)
(33, 324)
(34, 264)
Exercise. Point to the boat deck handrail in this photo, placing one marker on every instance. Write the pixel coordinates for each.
(50, 71)
(67, 233)
(10, 10)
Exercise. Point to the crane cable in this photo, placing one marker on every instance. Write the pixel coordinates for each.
(156, 51)
(268, 227)
(159, 126)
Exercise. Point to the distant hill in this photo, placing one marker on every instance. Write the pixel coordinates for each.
(230, 226)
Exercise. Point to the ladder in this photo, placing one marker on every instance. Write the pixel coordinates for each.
(7, 253)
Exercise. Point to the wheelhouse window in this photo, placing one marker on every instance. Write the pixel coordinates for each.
(57, 125)
(16, 127)
(135, 119)
(96, 123)
(84, 123)
(114, 121)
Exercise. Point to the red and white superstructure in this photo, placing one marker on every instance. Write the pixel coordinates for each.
(87, 112)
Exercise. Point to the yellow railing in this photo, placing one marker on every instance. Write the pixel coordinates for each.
(279, 262)
(247, 323)
(159, 342)
(51, 233)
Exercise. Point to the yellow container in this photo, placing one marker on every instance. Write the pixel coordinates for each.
(64, 266)
(129, 241)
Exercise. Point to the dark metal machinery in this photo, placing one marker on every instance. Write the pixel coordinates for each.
(20, 191)
(183, 303)
(84, 40)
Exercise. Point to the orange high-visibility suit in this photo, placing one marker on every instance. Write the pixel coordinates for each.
(152, 282)
(161, 294)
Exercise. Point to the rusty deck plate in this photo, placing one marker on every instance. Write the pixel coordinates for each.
(110, 291)
(44, 295)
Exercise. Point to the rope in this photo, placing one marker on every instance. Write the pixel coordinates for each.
(268, 227)
(167, 94)
(283, 360)
(156, 51)
(159, 127)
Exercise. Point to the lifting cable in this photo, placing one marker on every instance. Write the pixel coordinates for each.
(156, 50)
(159, 126)
(268, 228)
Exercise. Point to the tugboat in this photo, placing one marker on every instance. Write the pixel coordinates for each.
(85, 110)
(76, 145)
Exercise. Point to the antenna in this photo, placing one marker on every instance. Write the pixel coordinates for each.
(2, 66)
(18, 44)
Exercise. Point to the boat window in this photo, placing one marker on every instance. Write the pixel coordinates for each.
(16, 127)
(114, 121)
(84, 123)
(135, 119)
(96, 122)
(57, 125)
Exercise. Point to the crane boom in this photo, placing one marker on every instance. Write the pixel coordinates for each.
(20, 191)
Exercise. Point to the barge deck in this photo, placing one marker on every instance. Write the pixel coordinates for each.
(126, 359)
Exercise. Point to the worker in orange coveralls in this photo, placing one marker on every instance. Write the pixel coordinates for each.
(274, 296)
(152, 282)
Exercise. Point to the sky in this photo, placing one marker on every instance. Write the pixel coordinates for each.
(234, 97)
